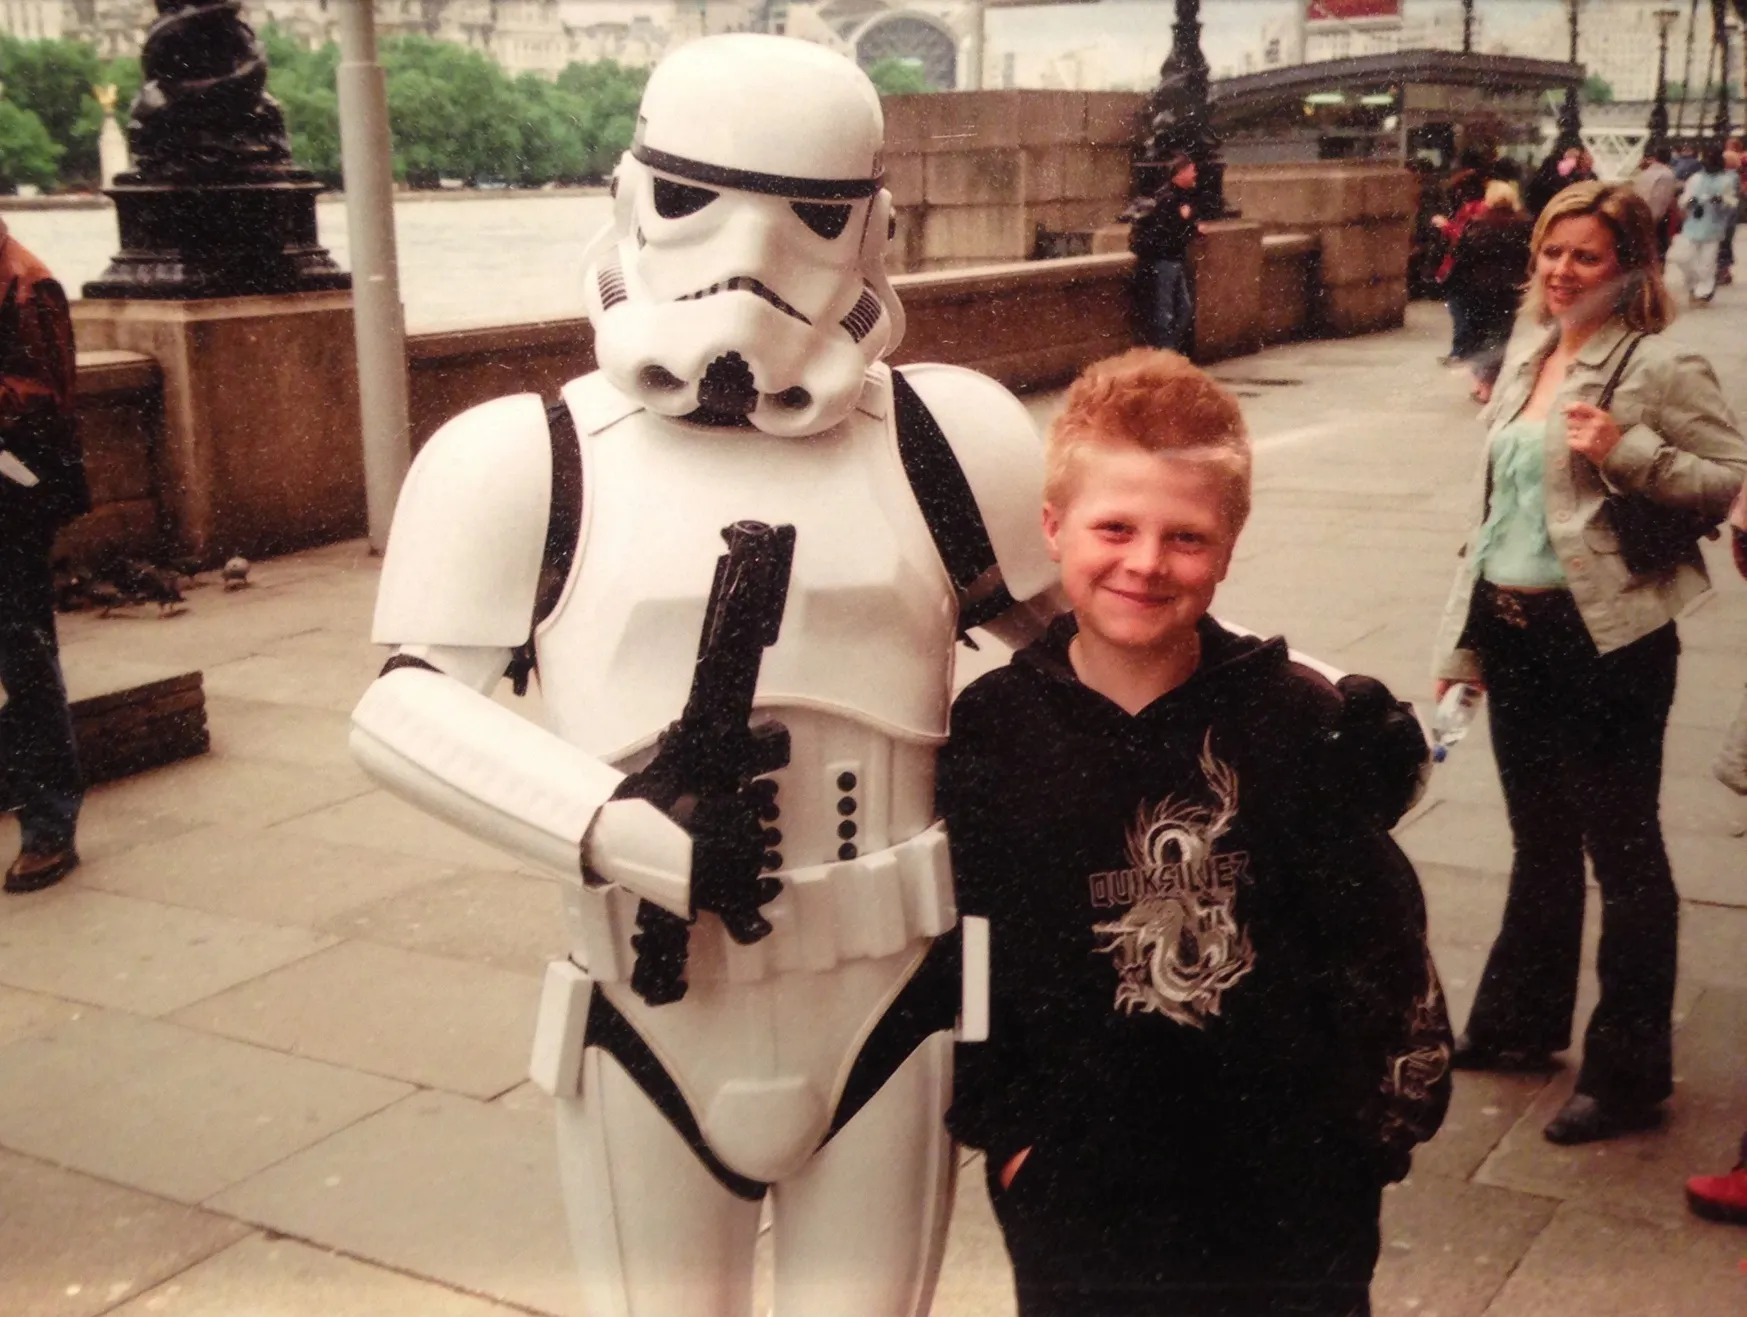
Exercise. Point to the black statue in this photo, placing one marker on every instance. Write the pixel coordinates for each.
(203, 111)
(215, 205)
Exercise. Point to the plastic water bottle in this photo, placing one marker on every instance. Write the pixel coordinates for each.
(1454, 716)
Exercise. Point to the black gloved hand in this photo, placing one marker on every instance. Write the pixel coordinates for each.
(1380, 749)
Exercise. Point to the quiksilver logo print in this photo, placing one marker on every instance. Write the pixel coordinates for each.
(1178, 948)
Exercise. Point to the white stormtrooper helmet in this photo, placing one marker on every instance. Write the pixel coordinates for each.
(743, 275)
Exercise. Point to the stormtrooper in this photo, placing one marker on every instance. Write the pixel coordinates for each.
(759, 1004)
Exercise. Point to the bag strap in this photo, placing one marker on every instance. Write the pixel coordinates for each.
(1607, 392)
(948, 505)
(563, 527)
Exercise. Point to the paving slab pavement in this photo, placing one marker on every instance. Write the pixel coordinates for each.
(263, 1054)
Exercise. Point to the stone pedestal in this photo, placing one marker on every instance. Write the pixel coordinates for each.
(261, 451)
(1227, 272)
(209, 240)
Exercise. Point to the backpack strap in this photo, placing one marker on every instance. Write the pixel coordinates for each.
(950, 509)
(563, 528)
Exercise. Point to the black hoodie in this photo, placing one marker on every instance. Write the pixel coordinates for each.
(1208, 956)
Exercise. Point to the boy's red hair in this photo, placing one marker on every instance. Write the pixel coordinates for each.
(1156, 401)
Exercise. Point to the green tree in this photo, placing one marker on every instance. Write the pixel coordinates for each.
(52, 80)
(609, 94)
(302, 81)
(453, 113)
(555, 142)
(27, 153)
(896, 76)
(1597, 90)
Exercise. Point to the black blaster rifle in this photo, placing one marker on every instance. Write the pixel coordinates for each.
(702, 774)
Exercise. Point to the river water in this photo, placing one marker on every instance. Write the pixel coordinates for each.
(474, 260)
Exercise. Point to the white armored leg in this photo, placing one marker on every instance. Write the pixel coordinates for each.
(861, 1229)
(655, 1234)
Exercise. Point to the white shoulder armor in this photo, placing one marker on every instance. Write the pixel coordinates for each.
(463, 559)
(997, 448)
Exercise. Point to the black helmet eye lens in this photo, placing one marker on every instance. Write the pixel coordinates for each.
(677, 200)
(825, 219)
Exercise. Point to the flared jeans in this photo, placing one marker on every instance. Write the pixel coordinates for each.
(1578, 737)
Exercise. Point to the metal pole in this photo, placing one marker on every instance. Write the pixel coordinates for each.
(378, 317)
(1570, 120)
(1686, 73)
(1467, 27)
(972, 79)
(1725, 120)
(1659, 110)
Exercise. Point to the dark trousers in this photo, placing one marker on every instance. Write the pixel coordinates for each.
(1108, 1243)
(1170, 320)
(1578, 737)
(39, 769)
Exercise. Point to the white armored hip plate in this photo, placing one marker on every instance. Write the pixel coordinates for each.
(869, 625)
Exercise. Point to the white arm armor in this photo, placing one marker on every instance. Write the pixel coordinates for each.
(457, 594)
(998, 450)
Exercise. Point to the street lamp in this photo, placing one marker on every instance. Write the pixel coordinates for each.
(1180, 114)
(1467, 27)
(1665, 20)
(1570, 120)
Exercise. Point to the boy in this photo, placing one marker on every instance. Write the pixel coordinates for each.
(1216, 1030)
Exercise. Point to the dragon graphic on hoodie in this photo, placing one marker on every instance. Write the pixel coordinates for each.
(1178, 949)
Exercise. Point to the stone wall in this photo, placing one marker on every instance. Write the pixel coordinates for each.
(976, 175)
(1361, 216)
(120, 397)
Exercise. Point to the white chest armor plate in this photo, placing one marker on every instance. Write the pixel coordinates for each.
(869, 627)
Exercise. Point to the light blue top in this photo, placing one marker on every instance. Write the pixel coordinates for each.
(1513, 548)
(1718, 193)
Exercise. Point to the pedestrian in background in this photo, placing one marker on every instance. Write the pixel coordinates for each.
(1467, 202)
(1491, 262)
(1578, 654)
(1159, 237)
(1726, 248)
(1656, 183)
(1707, 203)
(1557, 172)
(42, 486)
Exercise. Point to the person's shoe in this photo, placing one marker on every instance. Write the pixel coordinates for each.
(1470, 1055)
(34, 870)
(1584, 1119)
(1720, 1197)
(1725, 277)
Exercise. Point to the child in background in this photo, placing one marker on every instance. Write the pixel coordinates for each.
(1216, 1029)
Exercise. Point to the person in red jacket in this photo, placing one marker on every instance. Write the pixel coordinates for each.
(42, 486)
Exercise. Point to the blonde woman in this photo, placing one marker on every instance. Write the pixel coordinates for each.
(1492, 260)
(1578, 655)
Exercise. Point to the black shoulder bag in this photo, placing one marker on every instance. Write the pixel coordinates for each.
(1652, 536)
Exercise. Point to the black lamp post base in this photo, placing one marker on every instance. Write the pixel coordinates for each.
(191, 240)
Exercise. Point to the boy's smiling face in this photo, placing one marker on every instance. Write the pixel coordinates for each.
(1143, 540)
